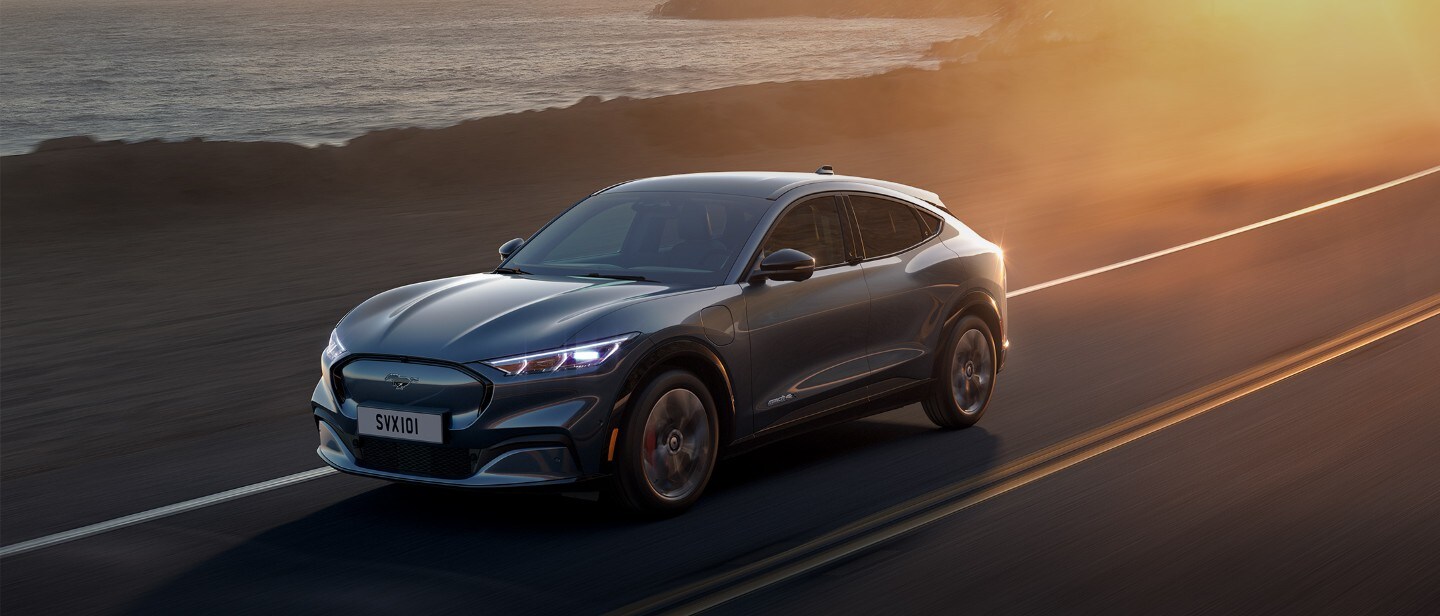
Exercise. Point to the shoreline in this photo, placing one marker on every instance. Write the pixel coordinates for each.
(472, 71)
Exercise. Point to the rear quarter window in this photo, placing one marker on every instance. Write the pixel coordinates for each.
(887, 227)
(929, 221)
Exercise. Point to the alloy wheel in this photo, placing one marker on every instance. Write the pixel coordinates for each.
(676, 445)
(972, 369)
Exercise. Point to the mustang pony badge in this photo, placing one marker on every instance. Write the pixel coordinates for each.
(401, 381)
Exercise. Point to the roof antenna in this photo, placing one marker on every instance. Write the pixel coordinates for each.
(825, 170)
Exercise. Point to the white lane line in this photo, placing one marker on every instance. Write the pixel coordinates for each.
(206, 501)
(166, 511)
(1220, 236)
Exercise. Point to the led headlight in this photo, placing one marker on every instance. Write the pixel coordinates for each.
(334, 350)
(578, 356)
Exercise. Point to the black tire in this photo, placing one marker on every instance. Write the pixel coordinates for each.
(965, 375)
(667, 485)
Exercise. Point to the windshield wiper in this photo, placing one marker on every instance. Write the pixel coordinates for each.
(616, 277)
(511, 270)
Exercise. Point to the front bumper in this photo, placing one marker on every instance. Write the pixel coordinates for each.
(500, 431)
(525, 466)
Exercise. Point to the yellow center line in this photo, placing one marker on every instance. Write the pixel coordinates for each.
(936, 505)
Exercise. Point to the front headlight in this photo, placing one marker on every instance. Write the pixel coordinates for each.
(334, 350)
(578, 356)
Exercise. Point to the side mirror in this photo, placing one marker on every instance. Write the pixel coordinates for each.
(786, 264)
(509, 248)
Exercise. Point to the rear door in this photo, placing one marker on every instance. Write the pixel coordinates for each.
(898, 244)
(808, 342)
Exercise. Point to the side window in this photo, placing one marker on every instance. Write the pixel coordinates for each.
(886, 226)
(812, 227)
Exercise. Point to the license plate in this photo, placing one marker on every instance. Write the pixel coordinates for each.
(424, 427)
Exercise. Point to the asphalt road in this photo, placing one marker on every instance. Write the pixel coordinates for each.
(1319, 493)
(1316, 496)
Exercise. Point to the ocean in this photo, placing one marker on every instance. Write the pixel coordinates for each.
(325, 71)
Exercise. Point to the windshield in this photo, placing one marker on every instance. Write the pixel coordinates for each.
(672, 237)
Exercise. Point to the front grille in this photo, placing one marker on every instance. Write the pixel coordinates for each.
(434, 387)
(416, 459)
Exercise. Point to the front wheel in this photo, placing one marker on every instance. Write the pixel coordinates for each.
(668, 445)
(966, 376)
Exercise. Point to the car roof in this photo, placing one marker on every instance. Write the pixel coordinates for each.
(764, 184)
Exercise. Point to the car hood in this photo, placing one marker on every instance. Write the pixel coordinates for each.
(485, 316)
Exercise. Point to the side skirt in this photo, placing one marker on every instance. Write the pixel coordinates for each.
(904, 395)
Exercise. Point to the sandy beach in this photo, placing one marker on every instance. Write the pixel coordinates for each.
(169, 295)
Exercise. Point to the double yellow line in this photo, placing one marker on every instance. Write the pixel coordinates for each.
(906, 517)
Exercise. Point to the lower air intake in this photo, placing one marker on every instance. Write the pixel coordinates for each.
(416, 459)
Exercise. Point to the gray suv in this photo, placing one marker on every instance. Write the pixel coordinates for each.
(660, 323)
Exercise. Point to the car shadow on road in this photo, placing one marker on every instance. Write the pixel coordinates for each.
(404, 549)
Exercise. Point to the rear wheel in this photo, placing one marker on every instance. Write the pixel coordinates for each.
(966, 375)
(668, 445)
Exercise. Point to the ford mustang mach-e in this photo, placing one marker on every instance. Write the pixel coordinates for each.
(661, 323)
